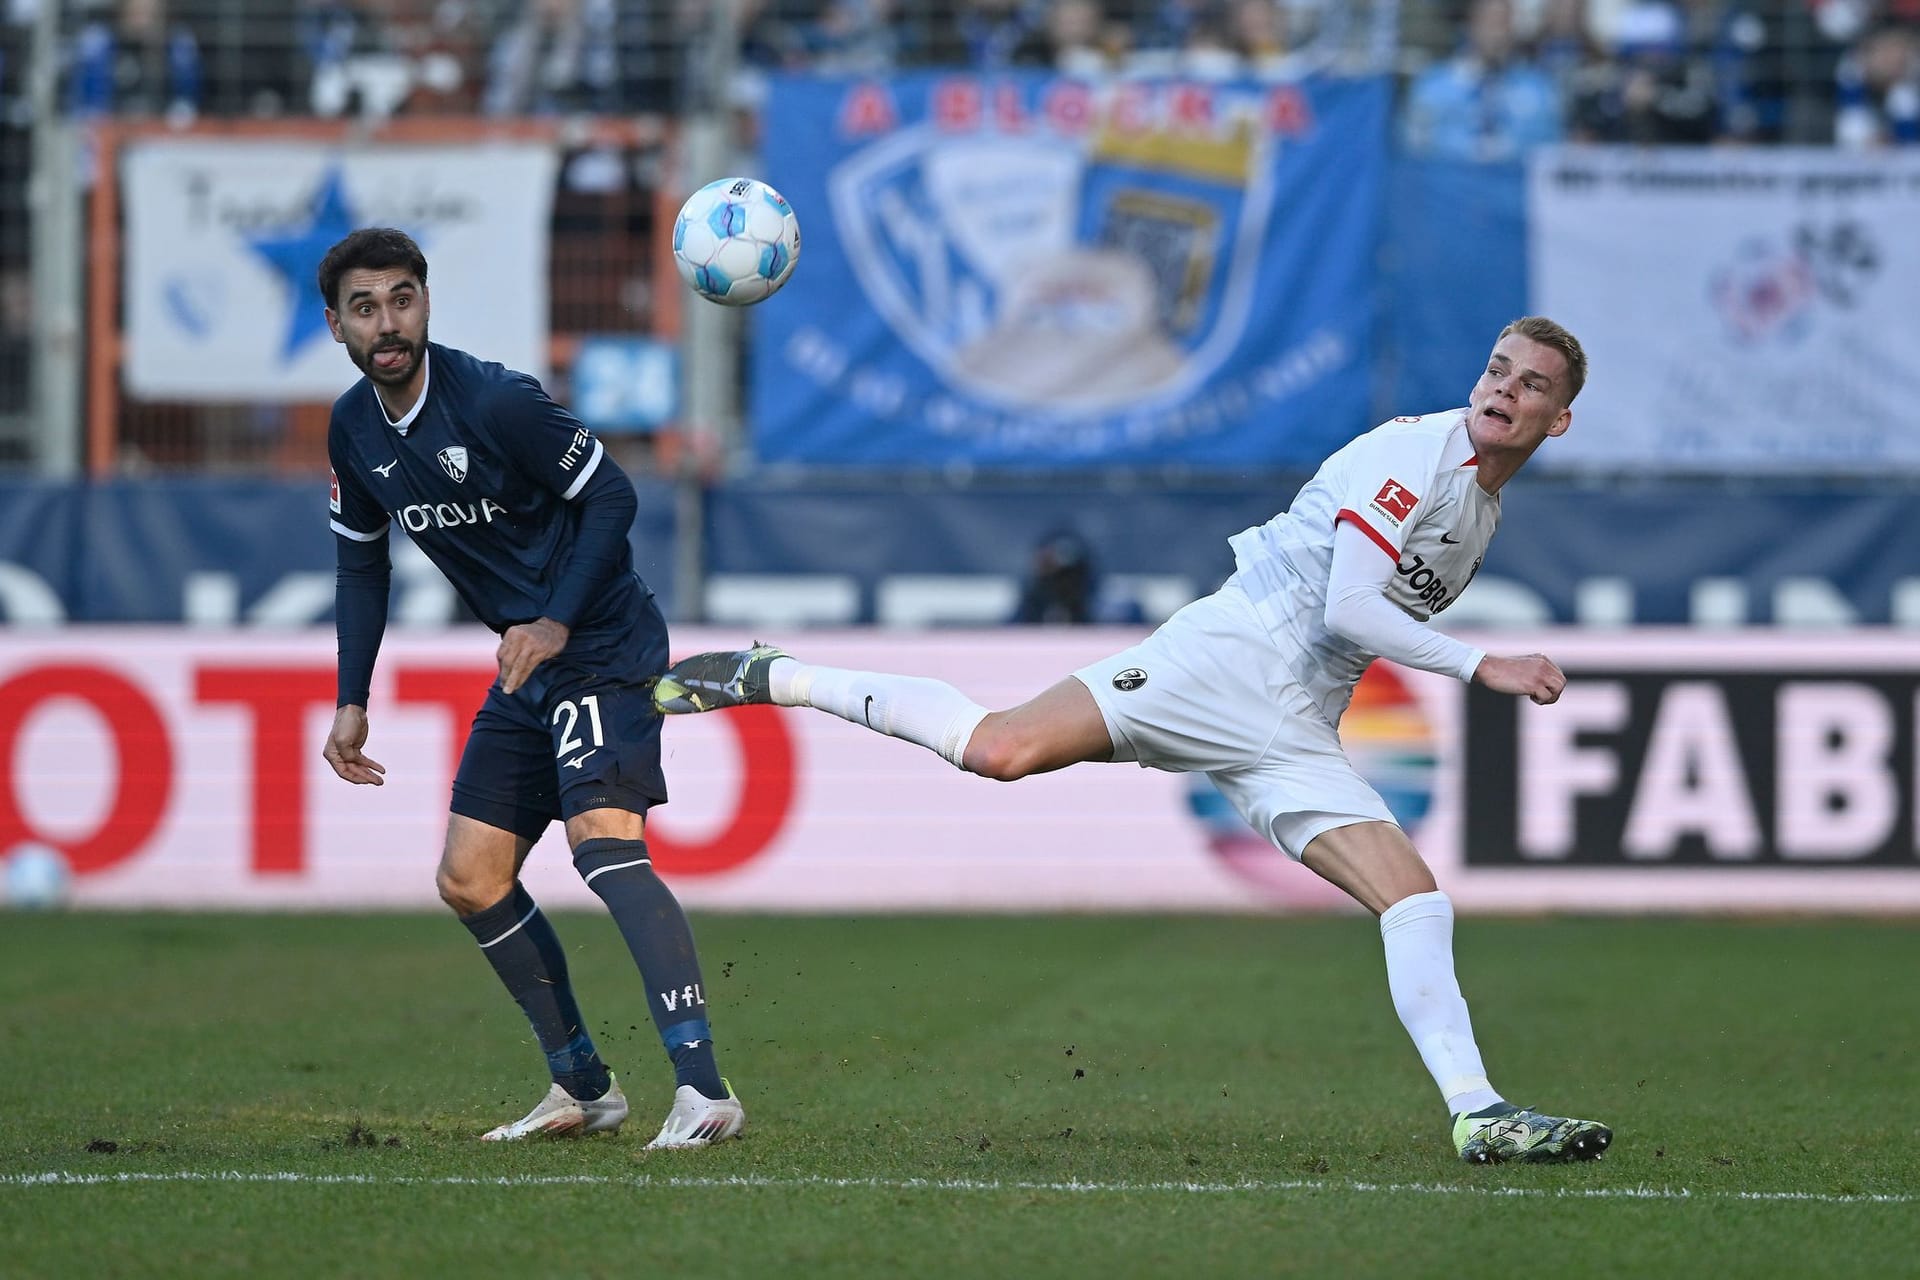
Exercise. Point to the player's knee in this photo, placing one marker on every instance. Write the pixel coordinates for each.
(467, 895)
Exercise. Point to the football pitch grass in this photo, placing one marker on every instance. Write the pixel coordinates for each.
(1073, 1096)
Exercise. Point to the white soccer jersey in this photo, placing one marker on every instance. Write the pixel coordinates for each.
(1411, 486)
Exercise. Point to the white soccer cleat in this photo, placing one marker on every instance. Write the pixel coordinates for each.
(561, 1115)
(699, 1121)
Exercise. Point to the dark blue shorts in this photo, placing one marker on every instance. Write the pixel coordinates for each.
(570, 739)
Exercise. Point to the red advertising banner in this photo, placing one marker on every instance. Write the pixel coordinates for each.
(1745, 771)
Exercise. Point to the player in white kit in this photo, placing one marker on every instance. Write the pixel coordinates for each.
(1249, 684)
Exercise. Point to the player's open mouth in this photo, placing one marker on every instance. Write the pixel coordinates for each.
(391, 357)
(1492, 412)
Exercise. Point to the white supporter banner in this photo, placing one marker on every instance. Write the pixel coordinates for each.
(223, 239)
(1742, 310)
(1748, 771)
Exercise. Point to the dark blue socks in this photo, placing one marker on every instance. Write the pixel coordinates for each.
(517, 940)
(657, 933)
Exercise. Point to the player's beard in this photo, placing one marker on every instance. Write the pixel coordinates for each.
(399, 375)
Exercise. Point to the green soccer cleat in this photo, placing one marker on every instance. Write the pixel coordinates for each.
(1521, 1133)
(715, 681)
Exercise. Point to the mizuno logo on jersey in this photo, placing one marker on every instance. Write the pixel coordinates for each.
(422, 516)
(1395, 501)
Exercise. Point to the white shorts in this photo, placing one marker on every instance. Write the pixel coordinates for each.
(1208, 692)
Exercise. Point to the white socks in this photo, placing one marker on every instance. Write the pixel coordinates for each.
(1418, 934)
(931, 713)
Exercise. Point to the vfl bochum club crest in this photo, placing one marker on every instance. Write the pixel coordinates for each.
(1064, 271)
(453, 461)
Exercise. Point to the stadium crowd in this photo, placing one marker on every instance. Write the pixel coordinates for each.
(1480, 80)
(1483, 78)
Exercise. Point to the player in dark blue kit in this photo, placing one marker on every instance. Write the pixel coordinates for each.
(520, 507)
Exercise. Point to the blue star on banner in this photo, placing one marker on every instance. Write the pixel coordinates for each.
(295, 256)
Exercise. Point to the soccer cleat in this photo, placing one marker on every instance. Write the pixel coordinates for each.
(713, 681)
(699, 1121)
(561, 1115)
(1521, 1133)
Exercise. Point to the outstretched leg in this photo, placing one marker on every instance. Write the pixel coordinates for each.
(1060, 727)
(1380, 868)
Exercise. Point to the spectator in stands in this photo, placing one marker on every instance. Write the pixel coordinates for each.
(855, 37)
(1814, 36)
(996, 34)
(141, 63)
(1489, 103)
(1657, 89)
(1076, 39)
(1260, 34)
(440, 44)
(769, 39)
(354, 72)
(1208, 53)
(559, 58)
(1165, 26)
(329, 33)
(1748, 74)
(1563, 43)
(1879, 90)
(1059, 588)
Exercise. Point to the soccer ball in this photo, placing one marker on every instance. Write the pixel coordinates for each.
(736, 241)
(36, 878)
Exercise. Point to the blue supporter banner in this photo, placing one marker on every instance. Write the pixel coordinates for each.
(1454, 273)
(1029, 271)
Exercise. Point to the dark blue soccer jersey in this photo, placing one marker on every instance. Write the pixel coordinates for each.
(479, 474)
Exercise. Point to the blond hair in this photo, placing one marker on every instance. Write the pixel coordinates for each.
(1548, 334)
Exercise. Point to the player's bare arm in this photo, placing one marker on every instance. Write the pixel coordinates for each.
(526, 646)
(1533, 675)
(343, 750)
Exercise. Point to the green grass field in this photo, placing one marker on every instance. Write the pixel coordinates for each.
(982, 1097)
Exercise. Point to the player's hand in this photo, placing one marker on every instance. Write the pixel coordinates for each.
(1534, 675)
(343, 752)
(525, 647)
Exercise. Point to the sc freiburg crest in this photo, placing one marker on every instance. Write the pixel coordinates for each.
(453, 460)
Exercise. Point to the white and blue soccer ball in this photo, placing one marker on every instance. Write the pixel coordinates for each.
(736, 241)
(36, 878)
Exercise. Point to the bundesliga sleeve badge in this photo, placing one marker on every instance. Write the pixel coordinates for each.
(1395, 501)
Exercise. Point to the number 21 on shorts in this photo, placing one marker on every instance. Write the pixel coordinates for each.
(570, 712)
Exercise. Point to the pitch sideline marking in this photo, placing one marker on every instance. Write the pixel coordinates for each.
(62, 1178)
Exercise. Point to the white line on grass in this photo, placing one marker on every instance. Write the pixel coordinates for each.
(61, 1178)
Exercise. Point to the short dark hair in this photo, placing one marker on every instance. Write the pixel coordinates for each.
(371, 249)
